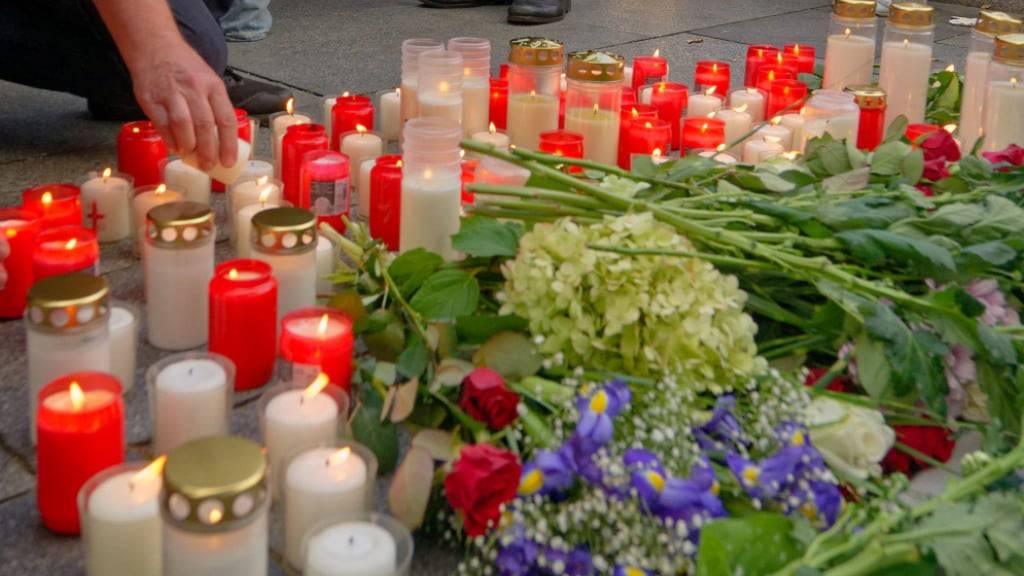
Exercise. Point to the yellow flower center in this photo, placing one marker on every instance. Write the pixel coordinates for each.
(715, 487)
(809, 510)
(656, 480)
(798, 438)
(751, 474)
(532, 482)
(631, 571)
(599, 403)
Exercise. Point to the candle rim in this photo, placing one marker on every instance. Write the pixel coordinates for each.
(223, 270)
(59, 192)
(88, 381)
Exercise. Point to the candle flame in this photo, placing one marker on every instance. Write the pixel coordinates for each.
(714, 67)
(467, 71)
(533, 93)
(77, 396)
(261, 180)
(796, 49)
(704, 127)
(321, 329)
(742, 108)
(596, 108)
(847, 32)
(339, 457)
(106, 173)
(360, 128)
(151, 471)
(951, 68)
(635, 113)
(771, 75)
(657, 52)
(462, 154)
(776, 120)
(492, 128)
(160, 189)
(215, 515)
(778, 58)
(289, 106)
(398, 91)
(656, 153)
(803, 110)
(264, 196)
(710, 91)
(428, 174)
(346, 94)
(70, 244)
(751, 91)
(772, 139)
(398, 164)
(232, 274)
(791, 155)
(443, 86)
(906, 42)
(712, 113)
(648, 125)
(661, 87)
(11, 232)
(316, 387)
(1013, 82)
(720, 148)
(135, 129)
(949, 128)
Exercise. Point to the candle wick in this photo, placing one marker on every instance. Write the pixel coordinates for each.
(190, 372)
(351, 540)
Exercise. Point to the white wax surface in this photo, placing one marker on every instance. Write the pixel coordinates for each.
(904, 77)
(121, 527)
(528, 116)
(177, 299)
(309, 327)
(324, 265)
(52, 355)
(247, 193)
(752, 98)
(849, 60)
(221, 173)
(722, 157)
(191, 402)
(498, 139)
(352, 549)
(755, 148)
(123, 333)
(600, 130)
(390, 115)
(703, 104)
(1004, 115)
(243, 227)
(476, 104)
(328, 114)
(110, 198)
(434, 105)
(194, 183)
(430, 213)
(781, 133)
(296, 279)
(256, 168)
(972, 104)
(318, 487)
(293, 422)
(736, 125)
(243, 551)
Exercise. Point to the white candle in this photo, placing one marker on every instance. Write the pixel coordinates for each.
(220, 172)
(904, 77)
(364, 185)
(359, 146)
(491, 136)
(627, 76)
(285, 238)
(973, 98)
(193, 183)
(295, 420)
(146, 200)
(409, 99)
(795, 124)
(849, 60)
(723, 157)
(106, 206)
(600, 130)
(494, 171)
(705, 104)
(121, 521)
(476, 104)
(176, 285)
(255, 169)
(123, 330)
(440, 105)
(190, 396)
(752, 98)
(391, 115)
(296, 279)
(737, 123)
(431, 205)
(320, 483)
(1004, 114)
(280, 123)
(351, 549)
(239, 551)
(328, 115)
(776, 133)
(840, 127)
(324, 265)
(528, 116)
(755, 151)
(243, 227)
(261, 190)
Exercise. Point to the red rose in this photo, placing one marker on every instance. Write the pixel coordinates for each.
(838, 383)
(481, 480)
(936, 169)
(933, 441)
(1012, 155)
(486, 398)
(940, 146)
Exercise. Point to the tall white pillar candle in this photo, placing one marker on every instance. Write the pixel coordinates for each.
(973, 98)
(106, 205)
(391, 115)
(528, 116)
(430, 212)
(190, 397)
(351, 549)
(243, 227)
(124, 329)
(328, 113)
(752, 98)
(280, 122)
(737, 123)
(192, 182)
(359, 146)
(849, 60)
(795, 124)
(600, 130)
(1004, 113)
(904, 77)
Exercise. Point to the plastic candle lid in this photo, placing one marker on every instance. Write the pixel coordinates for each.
(68, 301)
(284, 230)
(1010, 49)
(596, 66)
(214, 484)
(993, 23)
(532, 51)
(181, 224)
(859, 9)
(911, 15)
(868, 96)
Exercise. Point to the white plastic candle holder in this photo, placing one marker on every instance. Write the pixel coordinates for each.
(368, 544)
(189, 397)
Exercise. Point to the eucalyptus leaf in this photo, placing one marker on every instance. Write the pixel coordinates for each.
(511, 354)
(897, 128)
(409, 493)
(414, 359)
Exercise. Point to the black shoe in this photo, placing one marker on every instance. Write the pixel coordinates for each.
(538, 11)
(461, 3)
(104, 110)
(256, 97)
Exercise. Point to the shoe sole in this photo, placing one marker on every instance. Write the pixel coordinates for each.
(534, 19)
(442, 5)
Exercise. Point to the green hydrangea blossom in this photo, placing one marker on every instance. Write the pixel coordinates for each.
(644, 315)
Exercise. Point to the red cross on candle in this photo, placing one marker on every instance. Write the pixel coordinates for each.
(95, 215)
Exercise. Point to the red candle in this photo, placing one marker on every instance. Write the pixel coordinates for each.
(499, 102)
(55, 204)
(325, 183)
(65, 249)
(386, 199)
(80, 427)
(789, 62)
(503, 71)
(649, 70)
(139, 152)
(348, 112)
(783, 94)
(563, 143)
(872, 103)
(298, 140)
(670, 98)
(244, 133)
(804, 56)
(650, 137)
(320, 340)
(243, 319)
(20, 228)
(468, 177)
(627, 115)
(916, 133)
(756, 56)
(703, 133)
(769, 73)
(561, 109)
(712, 73)
(628, 95)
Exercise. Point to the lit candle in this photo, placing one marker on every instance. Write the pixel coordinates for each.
(80, 427)
(124, 328)
(670, 99)
(54, 204)
(145, 199)
(20, 228)
(563, 143)
(243, 222)
(359, 546)
(120, 513)
(386, 200)
(803, 54)
(468, 177)
(491, 170)
(140, 149)
(755, 150)
(261, 190)
(326, 185)
(294, 419)
(432, 185)
(849, 60)
(703, 133)
(757, 55)
(359, 146)
(779, 133)
(785, 96)
(391, 115)
(324, 266)
(194, 184)
(476, 59)
(738, 122)
(348, 114)
(177, 267)
(255, 169)
(499, 103)
(769, 73)
(298, 141)
(280, 121)
(65, 249)
(491, 136)
(66, 331)
(1004, 112)
(528, 116)
(190, 397)
(106, 200)
(318, 340)
(322, 482)
(412, 48)
(871, 123)
(704, 104)
(600, 130)
(752, 98)
(712, 73)
(907, 60)
(648, 137)
(795, 124)
(649, 69)
(832, 112)
(628, 114)
(719, 155)
(243, 319)
(285, 238)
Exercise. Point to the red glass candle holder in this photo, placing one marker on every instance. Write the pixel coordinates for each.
(670, 99)
(80, 430)
(703, 133)
(629, 114)
(785, 94)
(325, 184)
(139, 152)
(503, 71)
(319, 340)
(54, 204)
(650, 137)
(563, 143)
(649, 70)
(804, 56)
(871, 128)
(628, 96)
(468, 177)
(499, 102)
(768, 73)
(298, 140)
(243, 319)
(917, 133)
(712, 73)
(757, 55)
(63, 250)
(20, 228)
(386, 200)
(789, 62)
(348, 112)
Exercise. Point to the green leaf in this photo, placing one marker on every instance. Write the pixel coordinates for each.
(1003, 219)
(912, 166)
(1003, 392)
(896, 129)
(802, 219)
(974, 168)
(834, 157)
(864, 212)
(948, 220)
(643, 165)
(486, 237)
(873, 369)
(876, 247)
(414, 359)
(979, 257)
(411, 269)
(887, 159)
(478, 328)
(951, 185)
(983, 538)
(915, 357)
(511, 354)
(762, 182)
(381, 437)
(446, 295)
(760, 543)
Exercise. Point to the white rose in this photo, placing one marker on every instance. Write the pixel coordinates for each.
(853, 440)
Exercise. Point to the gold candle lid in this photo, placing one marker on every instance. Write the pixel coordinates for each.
(68, 301)
(214, 484)
(181, 224)
(531, 51)
(868, 96)
(1010, 49)
(596, 66)
(284, 231)
(911, 14)
(993, 23)
(859, 9)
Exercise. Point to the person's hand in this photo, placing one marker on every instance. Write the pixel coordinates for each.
(5, 249)
(188, 104)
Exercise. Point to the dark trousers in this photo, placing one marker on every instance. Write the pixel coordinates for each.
(63, 45)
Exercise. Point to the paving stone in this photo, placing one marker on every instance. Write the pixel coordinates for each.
(15, 475)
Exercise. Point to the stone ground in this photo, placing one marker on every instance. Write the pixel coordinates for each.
(322, 47)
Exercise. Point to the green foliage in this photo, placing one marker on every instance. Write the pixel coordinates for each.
(377, 434)
(486, 237)
(976, 538)
(446, 295)
(760, 543)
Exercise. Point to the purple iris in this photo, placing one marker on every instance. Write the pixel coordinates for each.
(722, 432)
(595, 428)
(668, 497)
(576, 562)
(550, 472)
(518, 558)
(827, 500)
